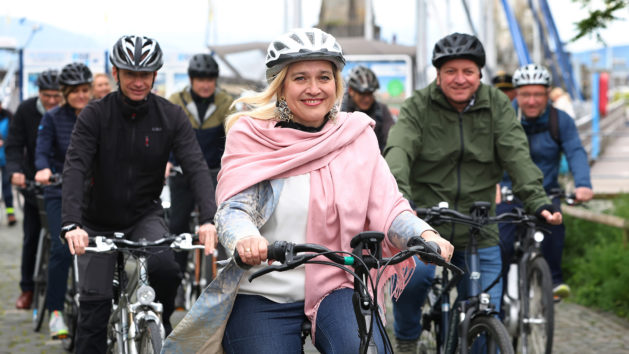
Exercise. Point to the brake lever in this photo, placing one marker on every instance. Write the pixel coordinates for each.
(291, 263)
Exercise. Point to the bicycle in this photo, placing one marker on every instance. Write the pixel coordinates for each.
(40, 274)
(474, 322)
(366, 255)
(528, 303)
(135, 325)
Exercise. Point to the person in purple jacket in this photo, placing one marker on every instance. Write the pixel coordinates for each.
(53, 139)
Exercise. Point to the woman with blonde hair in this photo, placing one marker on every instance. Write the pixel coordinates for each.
(295, 169)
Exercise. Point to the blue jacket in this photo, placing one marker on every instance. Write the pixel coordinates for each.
(4, 133)
(546, 153)
(53, 139)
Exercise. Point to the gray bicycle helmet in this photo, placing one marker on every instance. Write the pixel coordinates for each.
(75, 74)
(136, 53)
(48, 80)
(302, 44)
(202, 65)
(363, 80)
(458, 46)
(531, 74)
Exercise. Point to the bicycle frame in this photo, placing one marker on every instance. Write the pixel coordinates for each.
(133, 301)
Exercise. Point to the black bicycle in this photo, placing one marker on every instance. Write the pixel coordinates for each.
(366, 255)
(527, 302)
(40, 274)
(473, 325)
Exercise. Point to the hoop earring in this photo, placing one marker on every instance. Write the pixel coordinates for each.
(333, 112)
(282, 112)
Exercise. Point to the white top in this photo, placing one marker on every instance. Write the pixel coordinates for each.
(287, 223)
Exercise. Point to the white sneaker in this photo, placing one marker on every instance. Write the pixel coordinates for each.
(58, 328)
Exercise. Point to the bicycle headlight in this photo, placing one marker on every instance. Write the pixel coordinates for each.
(145, 295)
(538, 236)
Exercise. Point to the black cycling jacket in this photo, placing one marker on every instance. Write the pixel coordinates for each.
(114, 169)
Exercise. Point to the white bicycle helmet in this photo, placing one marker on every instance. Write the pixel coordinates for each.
(136, 53)
(531, 74)
(302, 44)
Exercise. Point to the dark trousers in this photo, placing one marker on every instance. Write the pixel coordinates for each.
(60, 258)
(182, 204)
(95, 284)
(7, 192)
(552, 246)
(31, 228)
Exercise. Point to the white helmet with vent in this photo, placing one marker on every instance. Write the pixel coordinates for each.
(302, 44)
(531, 74)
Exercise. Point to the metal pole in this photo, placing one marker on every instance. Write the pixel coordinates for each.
(595, 116)
(368, 20)
(20, 76)
(420, 54)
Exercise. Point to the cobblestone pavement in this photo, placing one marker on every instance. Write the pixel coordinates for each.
(577, 329)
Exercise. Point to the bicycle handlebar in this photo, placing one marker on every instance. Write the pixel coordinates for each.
(31, 185)
(517, 216)
(103, 244)
(292, 255)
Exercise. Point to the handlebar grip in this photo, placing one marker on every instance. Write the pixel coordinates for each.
(239, 261)
(434, 246)
(277, 251)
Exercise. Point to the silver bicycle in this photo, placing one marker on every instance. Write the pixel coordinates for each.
(135, 324)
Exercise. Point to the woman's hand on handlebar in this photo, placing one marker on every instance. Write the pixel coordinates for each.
(77, 240)
(444, 245)
(252, 250)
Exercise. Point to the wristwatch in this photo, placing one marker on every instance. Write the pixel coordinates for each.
(67, 228)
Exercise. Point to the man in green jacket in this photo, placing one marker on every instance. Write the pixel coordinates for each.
(207, 107)
(452, 142)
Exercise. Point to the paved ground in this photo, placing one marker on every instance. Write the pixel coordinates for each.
(577, 329)
(610, 173)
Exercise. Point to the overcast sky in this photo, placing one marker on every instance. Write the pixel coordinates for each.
(184, 22)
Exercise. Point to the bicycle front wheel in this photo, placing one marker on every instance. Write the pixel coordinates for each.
(488, 335)
(150, 338)
(537, 320)
(40, 279)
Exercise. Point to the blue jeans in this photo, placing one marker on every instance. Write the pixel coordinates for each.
(270, 327)
(60, 258)
(407, 309)
(552, 246)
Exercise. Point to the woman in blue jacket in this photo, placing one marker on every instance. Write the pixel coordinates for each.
(53, 139)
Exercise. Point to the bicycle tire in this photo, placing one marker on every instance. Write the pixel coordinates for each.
(537, 318)
(490, 334)
(71, 311)
(40, 280)
(150, 340)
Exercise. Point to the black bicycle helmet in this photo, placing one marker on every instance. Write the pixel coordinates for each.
(458, 46)
(48, 80)
(137, 53)
(202, 65)
(502, 80)
(75, 74)
(363, 80)
(302, 44)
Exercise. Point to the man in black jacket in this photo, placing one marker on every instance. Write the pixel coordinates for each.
(112, 179)
(20, 152)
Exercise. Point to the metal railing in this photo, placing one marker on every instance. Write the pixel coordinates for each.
(609, 126)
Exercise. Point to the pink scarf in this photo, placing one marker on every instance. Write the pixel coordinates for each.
(351, 188)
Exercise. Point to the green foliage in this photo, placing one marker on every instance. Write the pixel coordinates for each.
(596, 262)
(598, 18)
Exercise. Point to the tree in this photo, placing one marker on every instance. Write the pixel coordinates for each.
(598, 19)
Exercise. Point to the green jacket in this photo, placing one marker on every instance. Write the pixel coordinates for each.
(210, 134)
(438, 154)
